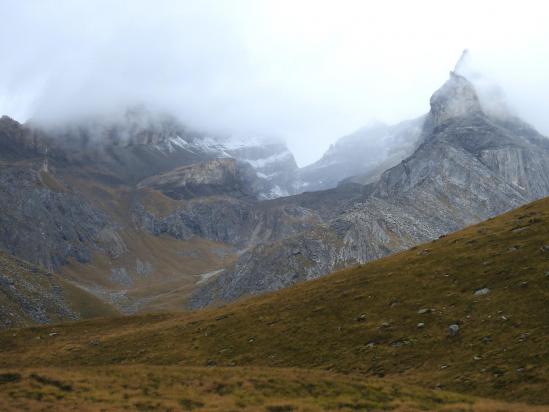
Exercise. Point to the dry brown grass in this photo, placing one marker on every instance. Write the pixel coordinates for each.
(222, 389)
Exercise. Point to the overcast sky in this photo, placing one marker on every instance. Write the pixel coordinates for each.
(305, 71)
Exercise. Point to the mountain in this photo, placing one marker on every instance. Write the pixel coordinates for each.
(74, 196)
(469, 166)
(146, 214)
(465, 313)
(138, 211)
(362, 156)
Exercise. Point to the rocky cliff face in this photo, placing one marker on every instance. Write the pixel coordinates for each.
(43, 221)
(237, 222)
(469, 166)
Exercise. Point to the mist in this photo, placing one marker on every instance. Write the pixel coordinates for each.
(307, 72)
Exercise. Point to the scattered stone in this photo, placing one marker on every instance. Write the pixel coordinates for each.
(443, 366)
(423, 311)
(503, 317)
(544, 248)
(385, 324)
(453, 330)
(52, 334)
(251, 340)
(420, 325)
(481, 292)
(361, 318)
(120, 276)
(476, 357)
(524, 284)
(143, 268)
(399, 343)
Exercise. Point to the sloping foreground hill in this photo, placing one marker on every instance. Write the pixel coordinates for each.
(30, 295)
(466, 313)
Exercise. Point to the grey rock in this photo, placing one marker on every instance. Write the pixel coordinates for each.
(481, 292)
(143, 269)
(453, 330)
(121, 277)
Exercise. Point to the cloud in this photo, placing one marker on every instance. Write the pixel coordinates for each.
(307, 71)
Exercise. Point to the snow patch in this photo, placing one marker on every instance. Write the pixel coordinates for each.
(260, 163)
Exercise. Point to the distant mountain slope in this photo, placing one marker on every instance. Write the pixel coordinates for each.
(29, 295)
(469, 166)
(272, 161)
(362, 156)
(465, 313)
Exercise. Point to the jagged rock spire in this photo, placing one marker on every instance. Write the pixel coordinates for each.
(462, 62)
(456, 98)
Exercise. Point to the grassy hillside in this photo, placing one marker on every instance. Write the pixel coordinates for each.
(168, 388)
(389, 318)
(30, 295)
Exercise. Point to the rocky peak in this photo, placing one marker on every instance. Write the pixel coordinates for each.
(456, 98)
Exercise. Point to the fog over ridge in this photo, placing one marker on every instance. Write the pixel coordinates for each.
(306, 72)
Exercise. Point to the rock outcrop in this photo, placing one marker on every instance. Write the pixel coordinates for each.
(213, 177)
